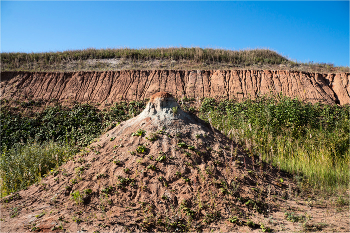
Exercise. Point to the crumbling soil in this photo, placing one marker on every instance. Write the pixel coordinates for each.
(113, 86)
(165, 170)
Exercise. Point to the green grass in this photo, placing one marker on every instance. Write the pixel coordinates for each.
(310, 141)
(24, 165)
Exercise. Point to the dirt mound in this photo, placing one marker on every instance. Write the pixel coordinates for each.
(112, 86)
(164, 170)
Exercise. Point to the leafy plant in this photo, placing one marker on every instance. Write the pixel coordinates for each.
(191, 148)
(139, 133)
(291, 216)
(182, 145)
(141, 149)
(117, 162)
(161, 158)
(152, 137)
(98, 176)
(77, 197)
(107, 190)
(175, 110)
(152, 167)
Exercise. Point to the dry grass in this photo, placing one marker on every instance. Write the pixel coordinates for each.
(157, 58)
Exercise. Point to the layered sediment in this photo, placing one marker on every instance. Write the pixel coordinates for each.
(113, 86)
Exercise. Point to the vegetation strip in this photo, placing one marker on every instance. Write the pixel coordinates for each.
(168, 58)
(310, 141)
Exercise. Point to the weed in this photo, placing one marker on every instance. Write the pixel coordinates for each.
(73, 181)
(161, 158)
(250, 223)
(60, 227)
(107, 190)
(77, 219)
(152, 137)
(187, 180)
(175, 110)
(35, 229)
(341, 201)
(191, 148)
(81, 160)
(14, 212)
(112, 139)
(40, 215)
(235, 220)
(123, 182)
(98, 176)
(139, 133)
(211, 217)
(141, 149)
(152, 167)
(132, 152)
(87, 191)
(117, 162)
(265, 229)
(290, 216)
(77, 197)
(182, 145)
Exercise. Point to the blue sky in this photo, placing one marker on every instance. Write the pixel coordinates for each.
(302, 31)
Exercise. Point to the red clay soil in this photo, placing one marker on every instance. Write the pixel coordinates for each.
(164, 171)
(160, 94)
(114, 86)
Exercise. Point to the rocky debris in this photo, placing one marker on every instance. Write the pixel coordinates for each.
(113, 86)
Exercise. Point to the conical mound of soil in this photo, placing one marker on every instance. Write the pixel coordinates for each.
(164, 170)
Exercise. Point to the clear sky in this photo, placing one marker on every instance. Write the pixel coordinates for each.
(302, 31)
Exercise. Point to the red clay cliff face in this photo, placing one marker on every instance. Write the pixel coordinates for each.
(113, 86)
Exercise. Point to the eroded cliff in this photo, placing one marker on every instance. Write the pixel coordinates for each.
(113, 86)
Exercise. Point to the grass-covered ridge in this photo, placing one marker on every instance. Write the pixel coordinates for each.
(309, 141)
(155, 58)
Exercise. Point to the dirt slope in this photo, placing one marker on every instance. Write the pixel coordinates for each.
(112, 86)
(164, 170)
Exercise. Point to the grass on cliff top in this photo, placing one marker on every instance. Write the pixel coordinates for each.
(310, 141)
(178, 58)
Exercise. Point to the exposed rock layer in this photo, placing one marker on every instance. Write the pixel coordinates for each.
(113, 86)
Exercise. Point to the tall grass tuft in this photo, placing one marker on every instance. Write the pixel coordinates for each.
(23, 165)
(309, 140)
